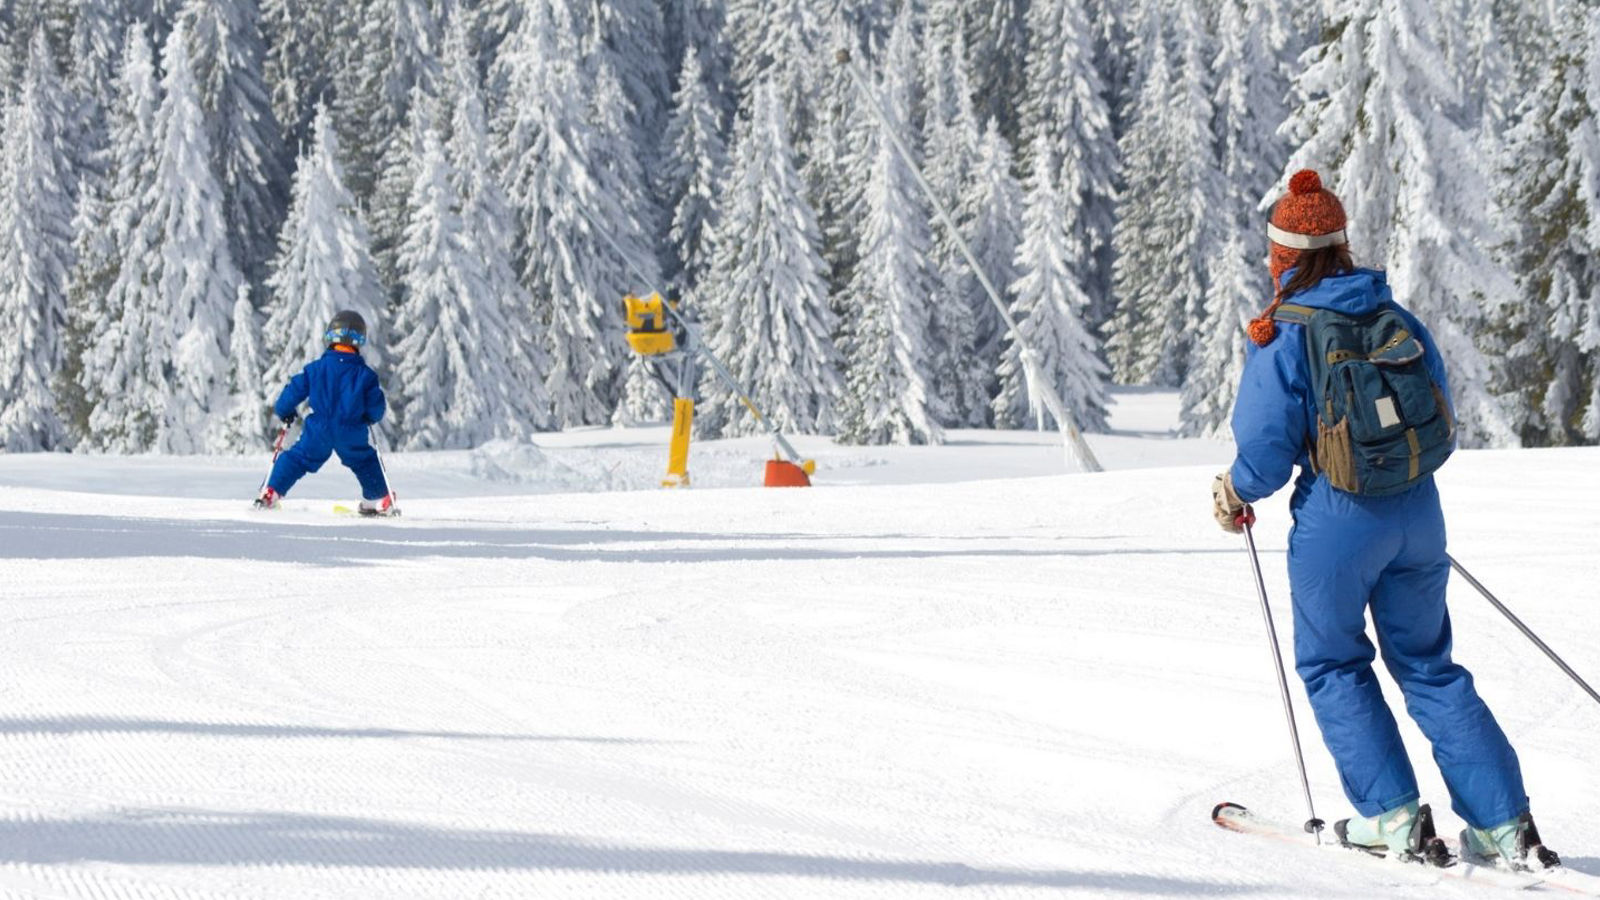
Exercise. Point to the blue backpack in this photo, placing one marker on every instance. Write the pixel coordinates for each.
(1383, 423)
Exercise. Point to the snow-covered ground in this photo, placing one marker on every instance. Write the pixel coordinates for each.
(931, 676)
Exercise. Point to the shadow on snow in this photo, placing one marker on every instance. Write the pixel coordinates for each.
(201, 838)
(59, 536)
(48, 726)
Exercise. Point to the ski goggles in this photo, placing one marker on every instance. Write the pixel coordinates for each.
(344, 336)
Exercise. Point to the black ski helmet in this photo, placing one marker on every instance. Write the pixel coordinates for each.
(348, 327)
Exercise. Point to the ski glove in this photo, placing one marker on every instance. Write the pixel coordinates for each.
(291, 418)
(1226, 505)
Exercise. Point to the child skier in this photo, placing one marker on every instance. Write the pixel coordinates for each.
(1368, 534)
(345, 400)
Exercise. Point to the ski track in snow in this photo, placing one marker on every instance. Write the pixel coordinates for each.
(1012, 688)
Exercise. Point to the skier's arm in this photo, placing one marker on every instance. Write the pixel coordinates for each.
(1270, 418)
(294, 394)
(376, 404)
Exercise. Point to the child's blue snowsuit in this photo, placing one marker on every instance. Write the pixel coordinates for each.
(1348, 553)
(345, 398)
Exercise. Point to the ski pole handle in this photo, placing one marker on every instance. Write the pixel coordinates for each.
(1246, 517)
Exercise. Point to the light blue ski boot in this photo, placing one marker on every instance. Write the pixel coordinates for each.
(1405, 832)
(1515, 843)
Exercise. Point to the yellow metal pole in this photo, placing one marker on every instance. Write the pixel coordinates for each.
(682, 428)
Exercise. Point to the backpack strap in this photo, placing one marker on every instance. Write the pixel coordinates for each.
(1293, 313)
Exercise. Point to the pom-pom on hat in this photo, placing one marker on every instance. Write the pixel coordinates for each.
(1309, 217)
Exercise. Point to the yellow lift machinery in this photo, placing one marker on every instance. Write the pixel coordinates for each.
(656, 328)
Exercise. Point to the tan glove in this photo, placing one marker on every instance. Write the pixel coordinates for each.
(1226, 505)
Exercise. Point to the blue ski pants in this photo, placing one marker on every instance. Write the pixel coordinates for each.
(316, 444)
(1347, 555)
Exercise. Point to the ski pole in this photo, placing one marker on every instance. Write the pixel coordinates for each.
(277, 449)
(1247, 520)
(1526, 631)
(388, 485)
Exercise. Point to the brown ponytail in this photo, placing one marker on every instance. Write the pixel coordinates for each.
(1310, 268)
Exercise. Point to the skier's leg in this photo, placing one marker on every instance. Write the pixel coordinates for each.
(1334, 561)
(357, 454)
(306, 456)
(1477, 761)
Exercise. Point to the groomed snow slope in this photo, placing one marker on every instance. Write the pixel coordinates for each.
(1013, 688)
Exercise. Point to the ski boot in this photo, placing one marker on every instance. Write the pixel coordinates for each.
(1406, 832)
(1515, 842)
(268, 500)
(383, 507)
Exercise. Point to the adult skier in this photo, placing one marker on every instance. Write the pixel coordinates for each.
(346, 399)
(1344, 383)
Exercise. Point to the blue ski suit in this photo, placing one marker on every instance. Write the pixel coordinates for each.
(345, 399)
(1349, 554)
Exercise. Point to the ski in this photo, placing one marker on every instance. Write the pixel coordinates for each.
(1237, 818)
(391, 513)
(1570, 881)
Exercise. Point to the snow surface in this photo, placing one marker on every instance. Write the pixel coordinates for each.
(928, 677)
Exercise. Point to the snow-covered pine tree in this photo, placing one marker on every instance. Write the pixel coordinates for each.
(453, 359)
(97, 35)
(888, 386)
(1484, 60)
(702, 25)
(389, 208)
(990, 213)
(1589, 336)
(1049, 304)
(488, 228)
(118, 377)
(1066, 104)
(394, 54)
(35, 256)
(834, 167)
(54, 19)
(244, 424)
(1375, 111)
(997, 33)
(246, 143)
(950, 142)
(618, 167)
(1165, 238)
(641, 398)
(1251, 85)
(552, 159)
(945, 23)
(302, 57)
(694, 169)
(97, 46)
(195, 282)
(323, 264)
(772, 326)
(630, 36)
(1552, 207)
(775, 42)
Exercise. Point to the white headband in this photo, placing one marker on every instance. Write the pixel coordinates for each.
(1305, 241)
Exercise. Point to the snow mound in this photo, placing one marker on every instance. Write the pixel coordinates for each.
(515, 462)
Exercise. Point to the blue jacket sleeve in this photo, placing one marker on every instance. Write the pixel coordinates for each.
(1270, 418)
(375, 403)
(294, 394)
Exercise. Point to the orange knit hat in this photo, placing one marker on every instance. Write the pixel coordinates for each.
(1309, 217)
